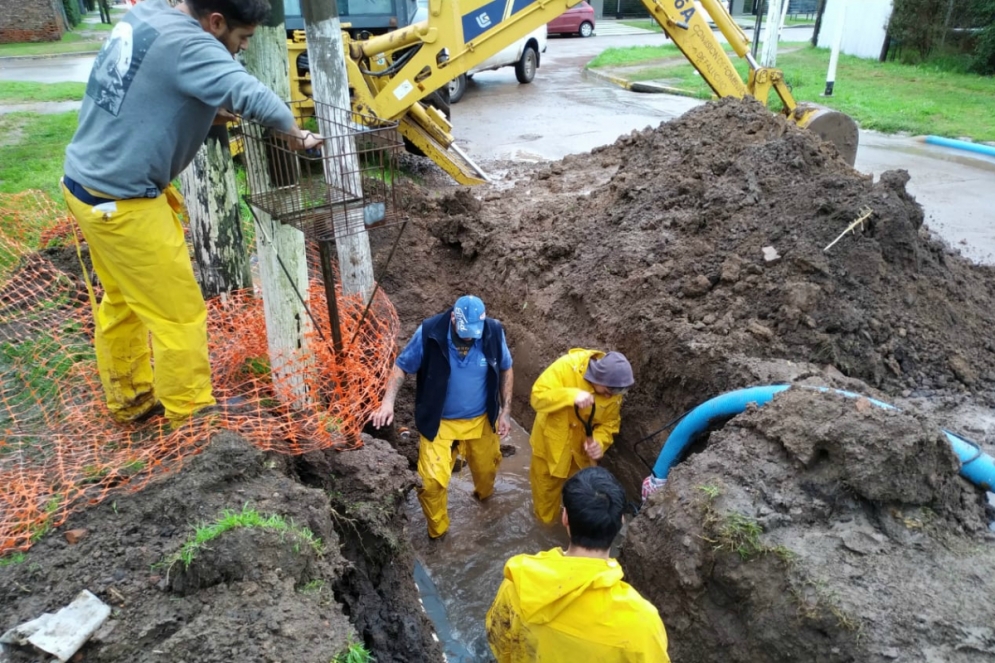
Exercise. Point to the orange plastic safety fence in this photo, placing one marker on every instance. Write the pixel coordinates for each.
(59, 448)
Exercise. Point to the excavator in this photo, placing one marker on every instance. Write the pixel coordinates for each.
(394, 76)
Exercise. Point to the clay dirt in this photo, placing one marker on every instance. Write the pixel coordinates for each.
(812, 529)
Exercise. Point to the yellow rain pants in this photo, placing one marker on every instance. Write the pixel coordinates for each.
(478, 444)
(139, 253)
(558, 435)
(556, 608)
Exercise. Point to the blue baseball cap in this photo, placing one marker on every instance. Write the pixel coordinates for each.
(469, 314)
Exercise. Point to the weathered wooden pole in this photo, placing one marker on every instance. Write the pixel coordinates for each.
(211, 194)
(330, 83)
(287, 321)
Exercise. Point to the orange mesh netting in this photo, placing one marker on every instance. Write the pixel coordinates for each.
(59, 448)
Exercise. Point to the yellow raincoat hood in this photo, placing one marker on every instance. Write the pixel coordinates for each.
(561, 609)
(545, 591)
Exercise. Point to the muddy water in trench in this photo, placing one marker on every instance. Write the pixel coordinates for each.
(466, 566)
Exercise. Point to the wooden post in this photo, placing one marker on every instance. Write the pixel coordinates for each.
(330, 83)
(287, 321)
(211, 195)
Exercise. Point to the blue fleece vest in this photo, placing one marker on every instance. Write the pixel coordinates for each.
(432, 378)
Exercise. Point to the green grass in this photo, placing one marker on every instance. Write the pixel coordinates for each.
(929, 98)
(16, 92)
(34, 369)
(634, 55)
(32, 150)
(230, 520)
(313, 587)
(355, 653)
(10, 560)
(72, 42)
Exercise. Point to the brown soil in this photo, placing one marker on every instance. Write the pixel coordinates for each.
(654, 246)
(251, 594)
(868, 547)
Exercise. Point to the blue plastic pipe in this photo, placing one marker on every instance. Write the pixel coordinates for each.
(976, 466)
(962, 145)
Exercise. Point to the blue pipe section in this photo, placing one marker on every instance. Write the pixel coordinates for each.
(976, 466)
(987, 150)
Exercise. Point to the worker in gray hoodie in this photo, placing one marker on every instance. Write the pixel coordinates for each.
(162, 78)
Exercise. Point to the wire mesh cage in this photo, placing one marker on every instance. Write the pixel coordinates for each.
(339, 188)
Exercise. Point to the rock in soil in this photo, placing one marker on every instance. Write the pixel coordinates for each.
(251, 594)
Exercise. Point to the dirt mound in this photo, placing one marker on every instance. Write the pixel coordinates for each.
(819, 528)
(654, 246)
(299, 581)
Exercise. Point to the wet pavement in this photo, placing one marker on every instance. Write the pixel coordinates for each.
(466, 566)
(563, 111)
(68, 69)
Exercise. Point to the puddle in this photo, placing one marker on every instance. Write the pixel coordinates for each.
(464, 570)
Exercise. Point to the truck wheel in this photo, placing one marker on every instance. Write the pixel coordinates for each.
(586, 29)
(525, 69)
(457, 87)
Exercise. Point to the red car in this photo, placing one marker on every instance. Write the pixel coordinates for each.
(578, 20)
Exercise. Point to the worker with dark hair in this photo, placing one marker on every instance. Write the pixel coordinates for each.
(462, 401)
(577, 399)
(162, 78)
(566, 606)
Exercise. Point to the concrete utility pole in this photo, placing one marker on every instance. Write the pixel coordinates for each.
(776, 12)
(211, 195)
(834, 55)
(331, 86)
(287, 321)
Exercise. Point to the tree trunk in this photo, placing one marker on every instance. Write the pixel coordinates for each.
(818, 22)
(331, 86)
(287, 321)
(211, 194)
(772, 34)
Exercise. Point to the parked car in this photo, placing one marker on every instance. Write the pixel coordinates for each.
(578, 20)
(523, 55)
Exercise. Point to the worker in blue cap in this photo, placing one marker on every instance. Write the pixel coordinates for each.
(462, 401)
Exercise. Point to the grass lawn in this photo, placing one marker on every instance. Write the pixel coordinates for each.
(32, 149)
(16, 92)
(623, 57)
(884, 96)
(72, 42)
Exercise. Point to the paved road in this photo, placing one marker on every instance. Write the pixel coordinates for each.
(563, 112)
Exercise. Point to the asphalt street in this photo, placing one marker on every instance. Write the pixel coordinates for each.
(564, 111)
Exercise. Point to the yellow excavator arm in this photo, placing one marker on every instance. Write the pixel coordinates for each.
(391, 74)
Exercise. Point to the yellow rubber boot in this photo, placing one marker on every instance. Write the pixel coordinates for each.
(435, 467)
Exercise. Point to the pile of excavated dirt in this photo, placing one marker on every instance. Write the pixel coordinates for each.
(655, 246)
(251, 594)
(819, 528)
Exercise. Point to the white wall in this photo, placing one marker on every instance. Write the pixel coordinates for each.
(864, 29)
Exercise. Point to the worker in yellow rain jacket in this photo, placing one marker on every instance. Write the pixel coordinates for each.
(462, 401)
(162, 78)
(571, 606)
(577, 401)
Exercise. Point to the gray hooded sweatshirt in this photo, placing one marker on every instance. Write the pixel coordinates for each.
(154, 91)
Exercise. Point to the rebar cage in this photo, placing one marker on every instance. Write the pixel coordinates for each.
(342, 187)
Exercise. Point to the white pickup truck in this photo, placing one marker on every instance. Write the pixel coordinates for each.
(523, 55)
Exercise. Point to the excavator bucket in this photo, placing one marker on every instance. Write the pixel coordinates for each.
(444, 153)
(832, 126)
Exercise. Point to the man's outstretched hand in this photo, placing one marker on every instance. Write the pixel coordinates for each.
(383, 416)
